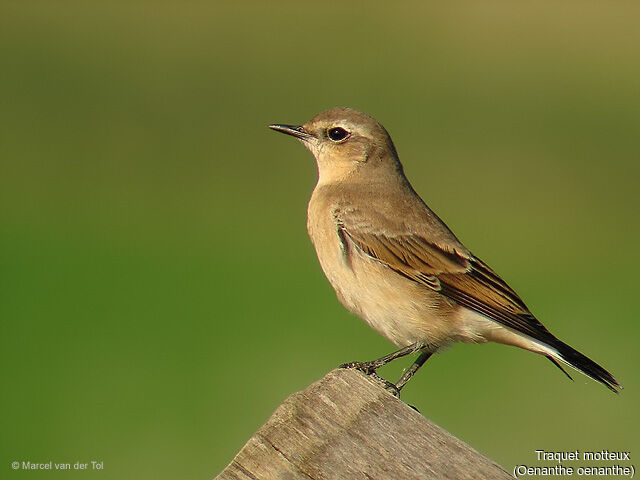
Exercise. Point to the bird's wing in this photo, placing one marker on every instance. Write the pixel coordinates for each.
(456, 274)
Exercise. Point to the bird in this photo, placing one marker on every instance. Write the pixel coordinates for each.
(393, 262)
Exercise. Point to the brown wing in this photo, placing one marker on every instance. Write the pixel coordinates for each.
(457, 275)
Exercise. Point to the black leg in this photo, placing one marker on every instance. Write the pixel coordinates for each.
(372, 366)
(424, 356)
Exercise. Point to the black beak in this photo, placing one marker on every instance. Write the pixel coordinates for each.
(296, 131)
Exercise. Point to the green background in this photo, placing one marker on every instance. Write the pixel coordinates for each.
(159, 295)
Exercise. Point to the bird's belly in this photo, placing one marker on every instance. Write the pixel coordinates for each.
(398, 308)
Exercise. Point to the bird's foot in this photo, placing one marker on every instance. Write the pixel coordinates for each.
(369, 368)
(391, 388)
(388, 386)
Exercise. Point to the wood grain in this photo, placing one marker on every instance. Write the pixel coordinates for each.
(347, 426)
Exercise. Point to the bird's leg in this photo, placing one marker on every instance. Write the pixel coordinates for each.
(371, 367)
(424, 356)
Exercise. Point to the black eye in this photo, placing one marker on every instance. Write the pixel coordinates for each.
(337, 134)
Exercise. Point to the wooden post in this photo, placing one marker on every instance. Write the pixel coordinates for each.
(347, 426)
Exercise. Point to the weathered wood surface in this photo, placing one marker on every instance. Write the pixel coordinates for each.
(347, 426)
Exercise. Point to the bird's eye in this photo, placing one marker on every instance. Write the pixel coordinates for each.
(337, 134)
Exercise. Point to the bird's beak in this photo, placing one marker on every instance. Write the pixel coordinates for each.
(296, 131)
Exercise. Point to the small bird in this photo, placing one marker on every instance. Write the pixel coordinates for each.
(394, 263)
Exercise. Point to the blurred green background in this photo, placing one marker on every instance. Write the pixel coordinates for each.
(159, 293)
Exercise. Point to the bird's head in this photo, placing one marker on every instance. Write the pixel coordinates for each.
(347, 145)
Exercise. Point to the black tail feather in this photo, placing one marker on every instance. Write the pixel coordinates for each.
(585, 365)
(555, 362)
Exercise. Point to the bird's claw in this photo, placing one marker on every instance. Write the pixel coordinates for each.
(369, 368)
(391, 388)
(364, 367)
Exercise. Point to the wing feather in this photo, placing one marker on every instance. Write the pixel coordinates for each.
(459, 276)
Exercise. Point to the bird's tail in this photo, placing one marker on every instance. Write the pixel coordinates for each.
(563, 352)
